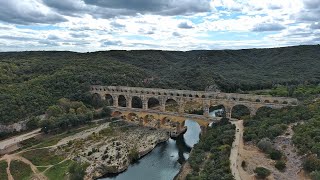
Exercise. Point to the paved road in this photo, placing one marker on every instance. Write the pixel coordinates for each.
(234, 164)
(11, 141)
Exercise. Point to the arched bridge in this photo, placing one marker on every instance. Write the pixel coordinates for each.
(145, 98)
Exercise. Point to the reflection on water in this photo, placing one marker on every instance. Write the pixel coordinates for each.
(164, 162)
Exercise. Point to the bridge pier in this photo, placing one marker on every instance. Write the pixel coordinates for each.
(253, 112)
(206, 111)
(228, 111)
(145, 105)
(129, 101)
(162, 107)
(115, 101)
(181, 109)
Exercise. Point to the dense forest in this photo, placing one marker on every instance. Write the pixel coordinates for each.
(30, 82)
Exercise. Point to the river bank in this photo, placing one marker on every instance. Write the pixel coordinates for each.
(113, 148)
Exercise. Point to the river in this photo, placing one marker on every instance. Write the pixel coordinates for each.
(165, 160)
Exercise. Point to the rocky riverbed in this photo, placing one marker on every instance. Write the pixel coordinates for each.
(112, 149)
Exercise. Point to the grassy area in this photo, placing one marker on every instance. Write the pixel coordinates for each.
(42, 157)
(3, 170)
(20, 170)
(54, 139)
(41, 169)
(58, 172)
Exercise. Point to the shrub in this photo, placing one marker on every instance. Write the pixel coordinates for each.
(243, 164)
(262, 172)
(311, 163)
(265, 145)
(275, 154)
(133, 154)
(280, 165)
(315, 175)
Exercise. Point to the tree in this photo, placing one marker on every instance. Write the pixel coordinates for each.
(54, 111)
(96, 101)
(265, 145)
(106, 111)
(275, 154)
(262, 172)
(280, 165)
(33, 123)
(311, 163)
(315, 175)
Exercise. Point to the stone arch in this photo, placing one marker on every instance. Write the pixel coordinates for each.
(264, 110)
(217, 110)
(203, 96)
(109, 100)
(164, 120)
(193, 107)
(258, 100)
(197, 96)
(133, 117)
(147, 119)
(240, 110)
(136, 102)
(190, 95)
(153, 103)
(116, 114)
(171, 105)
(266, 101)
(276, 101)
(122, 101)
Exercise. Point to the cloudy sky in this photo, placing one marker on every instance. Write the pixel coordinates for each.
(91, 25)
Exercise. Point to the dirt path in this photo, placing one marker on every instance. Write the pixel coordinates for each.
(8, 170)
(14, 140)
(36, 174)
(235, 150)
(82, 134)
(238, 154)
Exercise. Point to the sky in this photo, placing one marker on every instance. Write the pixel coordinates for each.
(94, 25)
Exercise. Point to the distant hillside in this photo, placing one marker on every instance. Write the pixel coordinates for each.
(31, 81)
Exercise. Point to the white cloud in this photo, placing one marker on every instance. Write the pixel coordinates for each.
(77, 26)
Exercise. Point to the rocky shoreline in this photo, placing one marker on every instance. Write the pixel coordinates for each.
(112, 149)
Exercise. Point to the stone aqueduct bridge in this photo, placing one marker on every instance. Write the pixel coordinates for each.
(206, 98)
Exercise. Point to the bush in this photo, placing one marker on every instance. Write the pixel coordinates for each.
(275, 154)
(311, 163)
(133, 154)
(315, 175)
(262, 172)
(243, 164)
(265, 145)
(280, 165)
